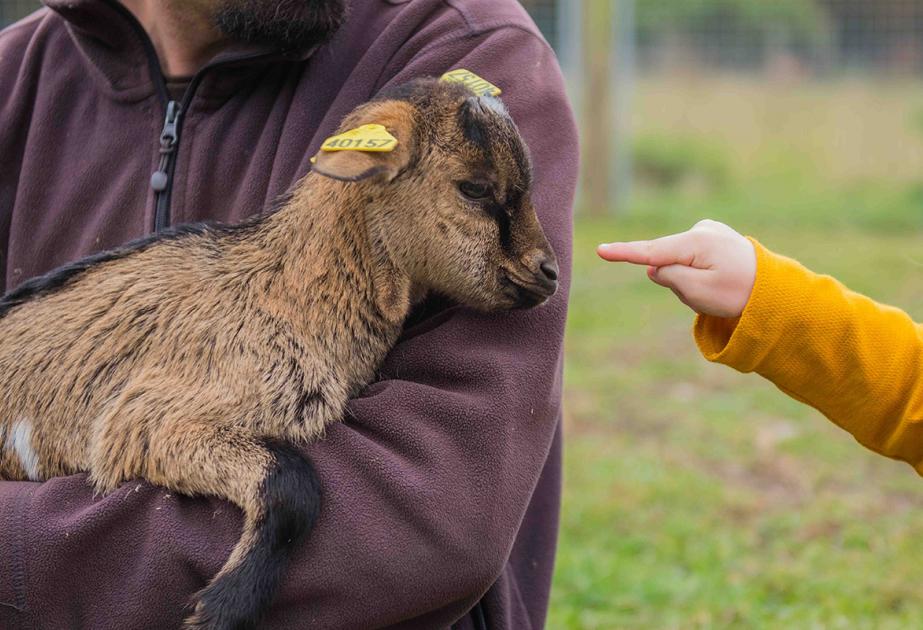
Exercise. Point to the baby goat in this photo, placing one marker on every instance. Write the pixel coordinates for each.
(196, 358)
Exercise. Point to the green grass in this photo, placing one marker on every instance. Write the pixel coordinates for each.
(697, 497)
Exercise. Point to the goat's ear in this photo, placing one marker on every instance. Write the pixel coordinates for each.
(397, 118)
(350, 166)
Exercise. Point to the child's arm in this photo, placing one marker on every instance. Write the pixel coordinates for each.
(858, 362)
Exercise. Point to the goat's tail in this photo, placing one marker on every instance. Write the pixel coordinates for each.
(243, 590)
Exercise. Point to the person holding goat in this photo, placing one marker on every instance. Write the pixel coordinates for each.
(858, 362)
(442, 485)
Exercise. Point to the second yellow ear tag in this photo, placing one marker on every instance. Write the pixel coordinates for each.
(373, 138)
(481, 87)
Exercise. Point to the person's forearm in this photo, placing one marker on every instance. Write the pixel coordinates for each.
(858, 362)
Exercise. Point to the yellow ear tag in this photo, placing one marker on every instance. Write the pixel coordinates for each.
(481, 87)
(372, 138)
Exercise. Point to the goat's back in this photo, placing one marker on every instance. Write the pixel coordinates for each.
(171, 309)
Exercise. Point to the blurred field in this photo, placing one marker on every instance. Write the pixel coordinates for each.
(697, 497)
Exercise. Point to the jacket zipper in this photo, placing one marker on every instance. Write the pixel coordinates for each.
(161, 179)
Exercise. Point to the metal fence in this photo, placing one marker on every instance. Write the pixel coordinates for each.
(815, 36)
(605, 44)
(819, 37)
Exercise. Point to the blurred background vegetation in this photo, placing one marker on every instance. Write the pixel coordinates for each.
(697, 497)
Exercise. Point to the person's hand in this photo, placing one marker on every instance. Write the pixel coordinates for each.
(711, 268)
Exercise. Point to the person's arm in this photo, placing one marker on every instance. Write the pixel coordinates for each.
(858, 362)
(13, 131)
(425, 484)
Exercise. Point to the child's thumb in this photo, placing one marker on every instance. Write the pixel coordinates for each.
(680, 278)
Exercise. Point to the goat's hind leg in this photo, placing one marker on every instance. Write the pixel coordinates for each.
(275, 486)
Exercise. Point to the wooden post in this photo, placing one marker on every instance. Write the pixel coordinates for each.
(621, 82)
(597, 132)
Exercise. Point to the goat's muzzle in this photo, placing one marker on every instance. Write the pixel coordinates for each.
(536, 287)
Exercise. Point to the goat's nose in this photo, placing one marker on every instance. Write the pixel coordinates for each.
(550, 269)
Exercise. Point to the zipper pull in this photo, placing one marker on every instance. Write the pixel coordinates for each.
(161, 177)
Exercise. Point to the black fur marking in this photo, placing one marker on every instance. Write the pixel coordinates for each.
(502, 217)
(472, 116)
(514, 197)
(310, 398)
(524, 164)
(291, 497)
(61, 277)
(102, 374)
(469, 119)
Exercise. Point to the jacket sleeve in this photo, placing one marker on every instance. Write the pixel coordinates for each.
(426, 482)
(858, 362)
(14, 114)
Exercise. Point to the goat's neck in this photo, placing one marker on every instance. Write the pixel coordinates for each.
(329, 247)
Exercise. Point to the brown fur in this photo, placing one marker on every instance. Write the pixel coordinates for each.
(175, 361)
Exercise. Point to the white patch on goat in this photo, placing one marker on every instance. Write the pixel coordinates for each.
(495, 104)
(19, 441)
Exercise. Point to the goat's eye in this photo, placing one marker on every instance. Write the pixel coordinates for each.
(474, 190)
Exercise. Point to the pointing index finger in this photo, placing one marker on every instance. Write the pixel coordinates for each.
(676, 249)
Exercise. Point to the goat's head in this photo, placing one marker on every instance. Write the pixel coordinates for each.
(451, 204)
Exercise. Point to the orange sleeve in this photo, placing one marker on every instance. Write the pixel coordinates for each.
(858, 362)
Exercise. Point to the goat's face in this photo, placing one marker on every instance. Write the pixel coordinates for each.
(452, 203)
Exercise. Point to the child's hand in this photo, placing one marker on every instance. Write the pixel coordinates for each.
(711, 268)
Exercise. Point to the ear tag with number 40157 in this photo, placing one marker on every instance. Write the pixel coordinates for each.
(481, 87)
(371, 138)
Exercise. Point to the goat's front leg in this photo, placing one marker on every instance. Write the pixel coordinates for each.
(275, 486)
(279, 492)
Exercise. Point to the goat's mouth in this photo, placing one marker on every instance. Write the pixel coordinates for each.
(524, 294)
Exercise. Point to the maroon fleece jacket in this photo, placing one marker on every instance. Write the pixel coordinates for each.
(442, 485)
